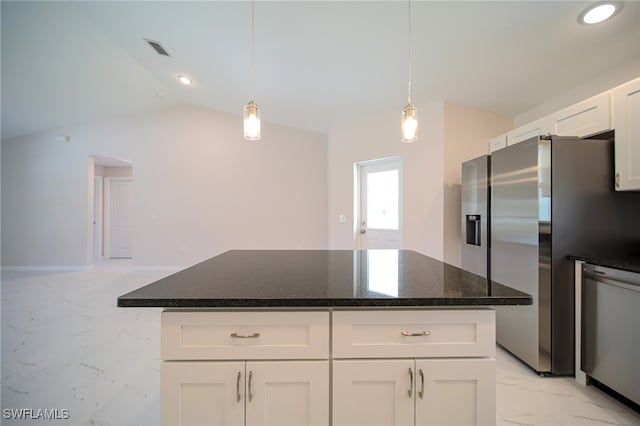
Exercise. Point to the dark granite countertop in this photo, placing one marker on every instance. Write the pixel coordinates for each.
(626, 263)
(321, 278)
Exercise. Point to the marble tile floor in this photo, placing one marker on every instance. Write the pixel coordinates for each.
(66, 345)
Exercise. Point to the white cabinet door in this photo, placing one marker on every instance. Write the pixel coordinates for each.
(585, 118)
(455, 392)
(497, 143)
(528, 131)
(626, 122)
(202, 393)
(373, 393)
(288, 393)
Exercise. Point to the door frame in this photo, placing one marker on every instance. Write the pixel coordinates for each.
(358, 199)
(98, 217)
(107, 213)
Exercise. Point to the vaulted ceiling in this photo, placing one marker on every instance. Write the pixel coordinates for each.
(316, 63)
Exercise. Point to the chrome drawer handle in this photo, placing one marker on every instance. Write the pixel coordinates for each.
(242, 336)
(420, 333)
(238, 387)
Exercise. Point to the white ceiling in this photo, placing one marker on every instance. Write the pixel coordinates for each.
(65, 63)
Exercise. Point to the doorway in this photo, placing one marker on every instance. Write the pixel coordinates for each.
(112, 215)
(379, 201)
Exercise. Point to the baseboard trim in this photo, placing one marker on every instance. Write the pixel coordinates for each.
(46, 268)
(174, 268)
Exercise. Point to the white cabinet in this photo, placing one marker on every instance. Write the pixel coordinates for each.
(286, 393)
(617, 109)
(209, 376)
(455, 392)
(199, 393)
(528, 131)
(414, 392)
(373, 392)
(413, 334)
(626, 121)
(585, 118)
(270, 393)
(497, 143)
(421, 367)
(387, 367)
(244, 335)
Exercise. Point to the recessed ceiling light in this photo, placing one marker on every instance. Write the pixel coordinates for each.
(184, 79)
(599, 12)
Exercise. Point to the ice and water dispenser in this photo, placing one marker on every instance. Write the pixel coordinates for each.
(473, 229)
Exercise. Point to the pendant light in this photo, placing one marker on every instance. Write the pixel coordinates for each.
(251, 110)
(409, 120)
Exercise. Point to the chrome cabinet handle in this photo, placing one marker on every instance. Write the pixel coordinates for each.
(250, 377)
(238, 387)
(421, 393)
(244, 336)
(410, 383)
(420, 333)
(617, 180)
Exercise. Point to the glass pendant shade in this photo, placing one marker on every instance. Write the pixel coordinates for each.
(409, 124)
(252, 121)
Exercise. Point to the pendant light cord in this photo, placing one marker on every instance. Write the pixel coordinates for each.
(253, 3)
(410, 54)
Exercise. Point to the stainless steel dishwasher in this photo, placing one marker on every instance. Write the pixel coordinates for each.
(611, 328)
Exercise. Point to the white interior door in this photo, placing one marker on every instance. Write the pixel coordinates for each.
(97, 217)
(380, 215)
(120, 224)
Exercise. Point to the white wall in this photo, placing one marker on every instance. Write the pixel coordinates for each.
(466, 135)
(578, 93)
(199, 188)
(378, 137)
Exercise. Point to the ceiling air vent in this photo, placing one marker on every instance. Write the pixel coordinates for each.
(157, 47)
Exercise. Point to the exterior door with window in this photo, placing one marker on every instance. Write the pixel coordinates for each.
(380, 221)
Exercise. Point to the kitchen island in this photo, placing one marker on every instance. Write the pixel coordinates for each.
(319, 337)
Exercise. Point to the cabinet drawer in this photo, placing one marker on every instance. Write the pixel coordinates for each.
(245, 335)
(402, 334)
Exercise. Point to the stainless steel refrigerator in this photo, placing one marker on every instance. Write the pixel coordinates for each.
(550, 197)
(475, 215)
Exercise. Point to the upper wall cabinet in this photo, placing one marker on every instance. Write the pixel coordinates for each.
(530, 130)
(497, 143)
(626, 121)
(584, 118)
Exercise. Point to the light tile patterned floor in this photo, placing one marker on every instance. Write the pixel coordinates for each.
(65, 345)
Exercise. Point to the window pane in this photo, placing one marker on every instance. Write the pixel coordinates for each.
(382, 200)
